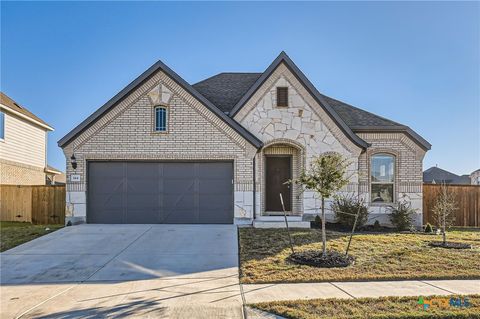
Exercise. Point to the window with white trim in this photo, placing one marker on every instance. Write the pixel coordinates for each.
(382, 178)
(161, 117)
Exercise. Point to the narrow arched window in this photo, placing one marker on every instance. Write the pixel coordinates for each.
(382, 178)
(160, 119)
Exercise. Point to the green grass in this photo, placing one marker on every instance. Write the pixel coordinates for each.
(375, 308)
(16, 233)
(392, 256)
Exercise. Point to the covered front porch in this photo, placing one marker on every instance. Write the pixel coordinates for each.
(279, 161)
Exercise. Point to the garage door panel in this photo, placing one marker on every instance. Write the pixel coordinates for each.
(213, 203)
(107, 200)
(143, 170)
(178, 216)
(179, 201)
(143, 215)
(141, 201)
(107, 216)
(179, 186)
(160, 192)
(142, 186)
(215, 187)
(178, 170)
(106, 170)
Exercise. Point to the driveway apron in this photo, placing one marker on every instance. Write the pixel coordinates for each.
(147, 271)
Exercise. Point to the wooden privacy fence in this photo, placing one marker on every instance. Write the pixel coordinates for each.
(468, 203)
(38, 204)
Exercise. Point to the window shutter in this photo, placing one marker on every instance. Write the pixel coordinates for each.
(282, 96)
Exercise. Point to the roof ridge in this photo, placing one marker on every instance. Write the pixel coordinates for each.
(159, 65)
(211, 77)
(284, 58)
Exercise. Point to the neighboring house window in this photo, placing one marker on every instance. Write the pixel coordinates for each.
(282, 96)
(382, 178)
(160, 119)
(2, 126)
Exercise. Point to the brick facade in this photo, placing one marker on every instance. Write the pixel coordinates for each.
(14, 173)
(194, 133)
(303, 130)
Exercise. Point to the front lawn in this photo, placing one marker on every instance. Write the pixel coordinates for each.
(388, 256)
(386, 307)
(16, 233)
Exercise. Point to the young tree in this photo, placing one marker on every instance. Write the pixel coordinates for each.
(326, 176)
(444, 210)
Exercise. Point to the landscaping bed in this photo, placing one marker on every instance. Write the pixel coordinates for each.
(315, 258)
(264, 256)
(16, 233)
(386, 307)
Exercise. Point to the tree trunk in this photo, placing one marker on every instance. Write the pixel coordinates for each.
(324, 233)
(443, 229)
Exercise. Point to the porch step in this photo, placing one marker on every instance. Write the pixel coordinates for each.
(280, 224)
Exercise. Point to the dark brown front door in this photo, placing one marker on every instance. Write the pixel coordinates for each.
(278, 172)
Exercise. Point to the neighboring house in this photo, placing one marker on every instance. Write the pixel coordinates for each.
(435, 175)
(475, 177)
(54, 176)
(219, 151)
(23, 145)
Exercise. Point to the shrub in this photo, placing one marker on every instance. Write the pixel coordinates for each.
(376, 225)
(428, 228)
(346, 208)
(401, 215)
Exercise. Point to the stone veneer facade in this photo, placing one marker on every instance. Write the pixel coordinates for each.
(302, 130)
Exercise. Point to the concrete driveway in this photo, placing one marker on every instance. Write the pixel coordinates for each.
(89, 271)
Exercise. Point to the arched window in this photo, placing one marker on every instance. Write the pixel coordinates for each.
(160, 119)
(382, 178)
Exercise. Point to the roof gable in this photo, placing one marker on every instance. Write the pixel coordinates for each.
(284, 58)
(140, 80)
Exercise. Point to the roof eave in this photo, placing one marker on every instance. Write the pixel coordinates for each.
(27, 118)
(420, 141)
(141, 79)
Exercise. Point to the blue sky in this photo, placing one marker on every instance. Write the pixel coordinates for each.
(417, 63)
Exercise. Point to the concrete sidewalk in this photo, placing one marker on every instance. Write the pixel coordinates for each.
(275, 292)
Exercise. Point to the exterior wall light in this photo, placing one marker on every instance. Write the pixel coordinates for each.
(73, 161)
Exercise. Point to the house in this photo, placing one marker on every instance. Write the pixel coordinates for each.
(23, 146)
(436, 175)
(475, 177)
(219, 151)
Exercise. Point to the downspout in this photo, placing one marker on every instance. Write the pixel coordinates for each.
(255, 185)
(254, 189)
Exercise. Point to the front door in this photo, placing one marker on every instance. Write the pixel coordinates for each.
(279, 171)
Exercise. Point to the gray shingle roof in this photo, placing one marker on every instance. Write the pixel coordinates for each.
(438, 175)
(230, 91)
(139, 81)
(357, 118)
(225, 89)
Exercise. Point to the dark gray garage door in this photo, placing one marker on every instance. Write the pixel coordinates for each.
(151, 193)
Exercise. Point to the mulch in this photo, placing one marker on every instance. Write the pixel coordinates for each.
(315, 258)
(450, 245)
